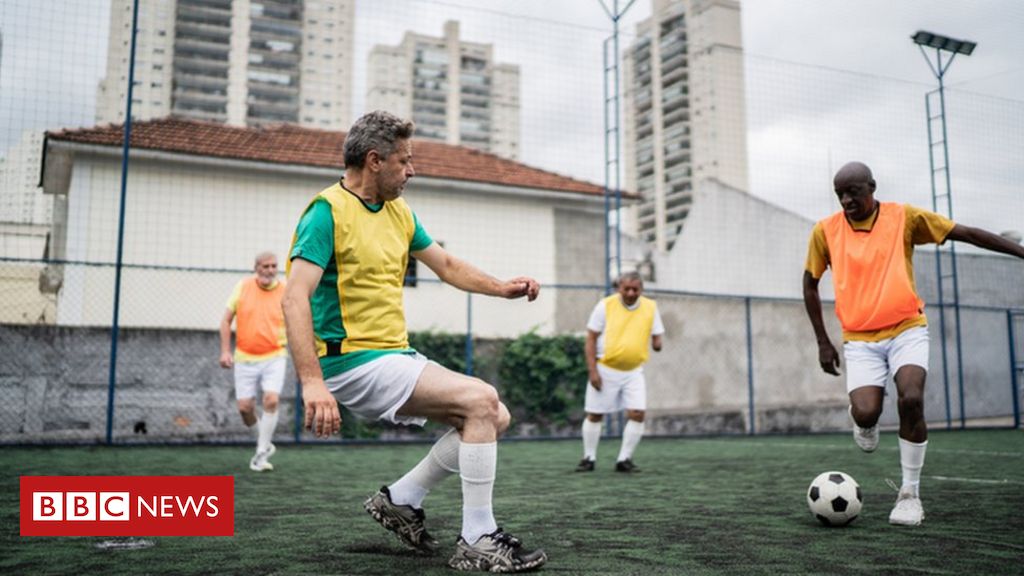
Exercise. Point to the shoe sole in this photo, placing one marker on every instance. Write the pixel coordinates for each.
(482, 565)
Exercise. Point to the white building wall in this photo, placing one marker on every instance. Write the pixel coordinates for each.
(505, 110)
(325, 93)
(390, 80)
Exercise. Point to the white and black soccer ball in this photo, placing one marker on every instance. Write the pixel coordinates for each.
(834, 498)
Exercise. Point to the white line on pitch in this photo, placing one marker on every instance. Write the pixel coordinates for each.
(975, 480)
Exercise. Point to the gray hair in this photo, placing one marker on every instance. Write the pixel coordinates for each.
(378, 130)
(632, 275)
(263, 256)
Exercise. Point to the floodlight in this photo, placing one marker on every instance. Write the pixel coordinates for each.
(933, 40)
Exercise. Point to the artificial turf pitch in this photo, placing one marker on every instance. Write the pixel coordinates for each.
(699, 506)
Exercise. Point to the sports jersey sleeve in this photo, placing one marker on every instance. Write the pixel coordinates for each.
(927, 227)
(314, 236)
(597, 318)
(232, 303)
(420, 239)
(657, 329)
(817, 252)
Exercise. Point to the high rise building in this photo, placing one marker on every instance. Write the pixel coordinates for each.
(241, 62)
(453, 90)
(684, 119)
(21, 198)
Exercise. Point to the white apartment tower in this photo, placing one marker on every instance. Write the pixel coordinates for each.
(241, 62)
(452, 90)
(684, 119)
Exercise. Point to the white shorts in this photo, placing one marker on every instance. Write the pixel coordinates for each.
(619, 391)
(266, 375)
(377, 389)
(873, 363)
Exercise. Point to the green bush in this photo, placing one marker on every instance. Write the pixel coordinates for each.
(543, 378)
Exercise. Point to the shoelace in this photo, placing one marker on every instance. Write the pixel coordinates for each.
(507, 539)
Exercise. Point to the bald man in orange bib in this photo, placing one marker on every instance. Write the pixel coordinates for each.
(869, 245)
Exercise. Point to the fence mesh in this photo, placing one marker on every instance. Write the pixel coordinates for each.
(257, 90)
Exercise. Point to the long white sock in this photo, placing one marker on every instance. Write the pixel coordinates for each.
(912, 460)
(631, 436)
(266, 426)
(441, 462)
(478, 464)
(591, 437)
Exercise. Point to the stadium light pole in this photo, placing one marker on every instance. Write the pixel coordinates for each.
(949, 47)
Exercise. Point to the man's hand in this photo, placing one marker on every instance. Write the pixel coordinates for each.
(519, 287)
(595, 380)
(226, 360)
(828, 357)
(322, 416)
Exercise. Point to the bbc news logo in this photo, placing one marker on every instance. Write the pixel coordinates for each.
(127, 506)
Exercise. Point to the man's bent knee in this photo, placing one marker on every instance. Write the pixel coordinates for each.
(504, 418)
(270, 402)
(635, 415)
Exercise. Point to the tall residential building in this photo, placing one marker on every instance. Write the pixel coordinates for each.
(684, 118)
(241, 62)
(21, 197)
(452, 90)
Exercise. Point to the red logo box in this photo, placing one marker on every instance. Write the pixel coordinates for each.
(127, 505)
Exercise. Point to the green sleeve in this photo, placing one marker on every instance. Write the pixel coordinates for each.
(314, 236)
(420, 239)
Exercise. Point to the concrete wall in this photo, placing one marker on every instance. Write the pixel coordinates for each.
(55, 379)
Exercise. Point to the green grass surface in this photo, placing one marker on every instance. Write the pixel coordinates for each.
(699, 506)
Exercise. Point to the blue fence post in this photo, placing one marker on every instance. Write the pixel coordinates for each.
(114, 328)
(750, 369)
(469, 334)
(1014, 385)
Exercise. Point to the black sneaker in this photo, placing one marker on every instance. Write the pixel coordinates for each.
(404, 520)
(498, 551)
(626, 466)
(585, 465)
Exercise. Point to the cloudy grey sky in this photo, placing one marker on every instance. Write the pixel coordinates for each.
(827, 81)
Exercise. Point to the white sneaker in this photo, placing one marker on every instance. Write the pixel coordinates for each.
(907, 511)
(866, 438)
(260, 461)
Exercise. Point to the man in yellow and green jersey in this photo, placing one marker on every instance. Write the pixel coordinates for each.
(869, 246)
(346, 329)
(618, 332)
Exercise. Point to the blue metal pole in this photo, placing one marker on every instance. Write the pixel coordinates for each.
(750, 368)
(469, 334)
(1014, 385)
(114, 329)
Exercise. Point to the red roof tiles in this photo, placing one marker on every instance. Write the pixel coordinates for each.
(289, 144)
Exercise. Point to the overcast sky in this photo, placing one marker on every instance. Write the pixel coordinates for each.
(827, 81)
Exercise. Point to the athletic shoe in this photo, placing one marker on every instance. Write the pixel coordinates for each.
(498, 551)
(626, 466)
(907, 511)
(585, 465)
(866, 438)
(260, 461)
(404, 520)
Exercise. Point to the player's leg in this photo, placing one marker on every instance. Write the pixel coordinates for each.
(634, 399)
(271, 381)
(246, 380)
(867, 371)
(909, 358)
(591, 433)
(474, 409)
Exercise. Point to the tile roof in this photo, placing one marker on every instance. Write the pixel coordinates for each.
(289, 144)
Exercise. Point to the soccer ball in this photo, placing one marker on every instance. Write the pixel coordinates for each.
(834, 498)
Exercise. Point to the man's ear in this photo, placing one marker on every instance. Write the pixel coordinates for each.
(373, 160)
(872, 184)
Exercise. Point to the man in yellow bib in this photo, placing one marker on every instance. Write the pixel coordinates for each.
(869, 246)
(346, 326)
(260, 354)
(619, 328)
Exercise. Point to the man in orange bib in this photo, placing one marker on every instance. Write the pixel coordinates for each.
(260, 355)
(869, 246)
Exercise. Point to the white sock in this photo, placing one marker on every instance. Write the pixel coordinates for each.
(591, 437)
(266, 426)
(441, 462)
(478, 464)
(631, 436)
(912, 460)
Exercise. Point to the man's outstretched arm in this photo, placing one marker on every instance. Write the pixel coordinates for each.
(465, 276)
(985, 239)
